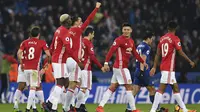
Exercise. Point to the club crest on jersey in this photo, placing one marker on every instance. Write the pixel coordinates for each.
(179, 43)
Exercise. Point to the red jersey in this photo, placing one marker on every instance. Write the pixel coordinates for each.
(168, 45)
(89, 55)
(123, 47)
(58, 48)
(32, 50)
(75, 34)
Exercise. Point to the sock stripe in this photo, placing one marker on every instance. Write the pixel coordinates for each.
(59, 86)
(159, 92)
(70, 90)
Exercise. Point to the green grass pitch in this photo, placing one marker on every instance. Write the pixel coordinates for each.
(107, 108)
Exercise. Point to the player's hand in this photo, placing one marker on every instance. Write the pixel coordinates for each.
(152, 72)
(106, 68)
(146, 65)
(22, 67)
(98, 4)
(192, 64)
(81, 65)
(103, 70)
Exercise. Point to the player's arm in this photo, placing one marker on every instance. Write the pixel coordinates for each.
(112, 50)
(178, 47)
(157, 58)
(20, 53)
(92, 55)
(143, 58)
(137, 56)
(47, 52)
(91, 16)
(180, 52)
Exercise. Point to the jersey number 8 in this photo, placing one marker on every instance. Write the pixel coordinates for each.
(31, 53)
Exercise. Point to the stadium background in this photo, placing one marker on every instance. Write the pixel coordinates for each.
(16, 16)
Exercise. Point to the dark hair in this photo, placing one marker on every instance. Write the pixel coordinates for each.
(148, 34)
(74, 19)
(126, 24)
(172, 25)
(88, 31)
(35, 31)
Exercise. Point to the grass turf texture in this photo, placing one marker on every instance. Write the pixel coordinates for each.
(107, 108)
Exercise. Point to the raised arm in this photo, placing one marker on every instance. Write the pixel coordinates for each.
(91, 16)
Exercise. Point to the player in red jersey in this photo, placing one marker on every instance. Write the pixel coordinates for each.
(30, 66)
(167, 47)
(86, 73)
(22, 83)
(60, 49)
(123, 46)
(75, 34)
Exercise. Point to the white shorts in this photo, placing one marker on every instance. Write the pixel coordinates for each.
(60, 70)
(32, 77)
(121, 76)
(73, 70)
(21, 76)
(168, 77)
(86, 79)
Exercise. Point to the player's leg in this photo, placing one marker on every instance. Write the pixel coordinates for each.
(34, 82)
(63, 94)
(152, 92)
(86, 77)
(136, 89)
(107, 95)
(40, 95)
(4, 86)
(18, 94)
(70, 94)
(74, 79)
(158, 97)
(177, 96)
(60, 73)
(21, 79)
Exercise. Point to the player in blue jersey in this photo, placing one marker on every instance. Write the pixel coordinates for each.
(142, 77)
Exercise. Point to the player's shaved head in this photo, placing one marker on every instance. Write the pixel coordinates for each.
(34, 31)
(172, 26)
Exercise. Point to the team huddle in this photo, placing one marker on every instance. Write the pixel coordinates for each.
(71, 56)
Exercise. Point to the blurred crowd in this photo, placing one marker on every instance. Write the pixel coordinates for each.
(16, 16)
